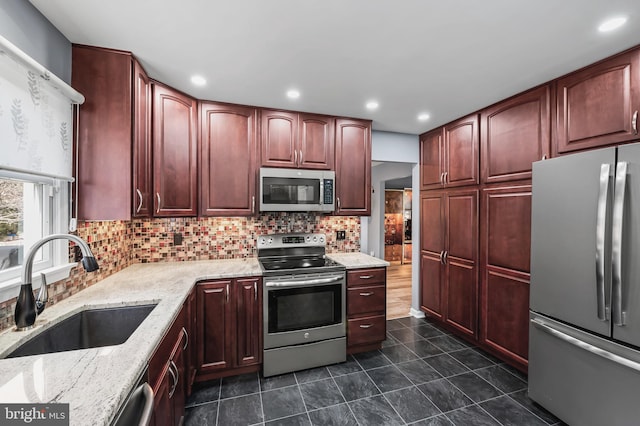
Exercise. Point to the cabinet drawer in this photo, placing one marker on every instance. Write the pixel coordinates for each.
(366, 330)
(165, 349)
(366, 276)
(361, 300)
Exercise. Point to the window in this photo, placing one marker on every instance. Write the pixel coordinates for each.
(31, 207)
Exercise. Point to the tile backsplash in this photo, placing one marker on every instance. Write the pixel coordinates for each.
(118, 244)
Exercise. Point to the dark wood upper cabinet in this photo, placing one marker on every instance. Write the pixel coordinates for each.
(142, 160)
(353, 167)
(228, 151)
(515, 133)
(461, 152)
(279, 145)
(296, 140)
(431, 159)
(449, 155)
(596, 106)
(106, 127)
(315, 141)
(174, 152)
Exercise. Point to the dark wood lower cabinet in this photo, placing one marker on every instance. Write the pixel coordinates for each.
(168, 376)
(504, 288)
(229, 327)
(366, 309)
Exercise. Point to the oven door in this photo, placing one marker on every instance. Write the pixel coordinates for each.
(303, 308)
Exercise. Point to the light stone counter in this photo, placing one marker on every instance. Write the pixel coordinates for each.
(357, 260)
(95, 382)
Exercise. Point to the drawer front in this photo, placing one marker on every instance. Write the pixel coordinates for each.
(366, 276)
(366, 330)
(361, 300)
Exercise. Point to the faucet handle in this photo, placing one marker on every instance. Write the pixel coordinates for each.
(43, 295)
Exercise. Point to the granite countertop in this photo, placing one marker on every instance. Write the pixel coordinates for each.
(95, 382)
(358, 260)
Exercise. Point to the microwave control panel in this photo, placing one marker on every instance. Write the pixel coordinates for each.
(328, 191)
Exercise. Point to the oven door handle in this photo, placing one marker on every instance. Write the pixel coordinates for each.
(302, 282)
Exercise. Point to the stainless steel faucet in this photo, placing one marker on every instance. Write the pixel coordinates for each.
(27, 306)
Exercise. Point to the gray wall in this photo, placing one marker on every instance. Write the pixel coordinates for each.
(23, 25)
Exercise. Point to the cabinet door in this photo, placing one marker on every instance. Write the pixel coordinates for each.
(461, 152)
(174, 152)
(431, 284)
(461, 260)
(162, 404)
(432, 244)
(104, 138)
(596, 105)
(191, 356)
(215, 326)
(315, 141)
(515, 133)
(228, 150)
(353, 167)
(506, 252)
(248, 295)
(142, 184)
(279, 131)
(431, 160)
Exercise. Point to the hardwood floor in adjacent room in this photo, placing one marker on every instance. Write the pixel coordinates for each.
(398, 291)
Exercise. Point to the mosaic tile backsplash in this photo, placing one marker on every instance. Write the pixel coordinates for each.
(118, 244)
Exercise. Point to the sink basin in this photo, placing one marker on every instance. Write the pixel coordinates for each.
(90, 328)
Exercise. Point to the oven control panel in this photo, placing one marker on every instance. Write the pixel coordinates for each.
(291, 240)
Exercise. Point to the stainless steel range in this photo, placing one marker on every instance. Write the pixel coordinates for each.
(304, 303)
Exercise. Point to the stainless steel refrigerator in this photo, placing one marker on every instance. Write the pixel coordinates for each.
(584, 346)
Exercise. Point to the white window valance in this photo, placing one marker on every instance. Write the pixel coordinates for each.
(36, 116)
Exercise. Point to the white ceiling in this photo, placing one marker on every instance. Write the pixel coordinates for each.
(445, 57)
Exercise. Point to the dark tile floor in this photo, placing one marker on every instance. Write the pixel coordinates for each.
(421, 376)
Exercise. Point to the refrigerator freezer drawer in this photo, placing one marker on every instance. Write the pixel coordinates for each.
(581, 378)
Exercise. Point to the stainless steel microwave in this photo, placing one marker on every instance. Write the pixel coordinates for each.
(297, 190)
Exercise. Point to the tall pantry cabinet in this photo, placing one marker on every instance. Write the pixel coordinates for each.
(475, 221)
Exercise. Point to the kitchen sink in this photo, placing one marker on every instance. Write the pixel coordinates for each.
(86, 329)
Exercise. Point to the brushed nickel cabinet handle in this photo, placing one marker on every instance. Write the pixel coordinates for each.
(186, 338)
(255, 291)
(227, 296)
(295, 157)
(446, 176)
(172, 365)
(444, 257)
(366, 277)
(369, 293)
(139, 198)
(366, 325)
(158, 198)
(338, 200)
(634, 123)
(253, 204)
(544, 157)
(442, 178)
(300, 157)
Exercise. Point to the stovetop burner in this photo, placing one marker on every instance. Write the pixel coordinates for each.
(294, 254)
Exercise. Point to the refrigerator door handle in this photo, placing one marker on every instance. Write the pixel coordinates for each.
(586, 346)
(601, 229)
(616, 243)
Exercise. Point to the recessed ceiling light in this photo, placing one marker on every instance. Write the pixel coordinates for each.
(612, 24)
(371, 105)
(293, 94)
(198, 80)
(423, 116)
